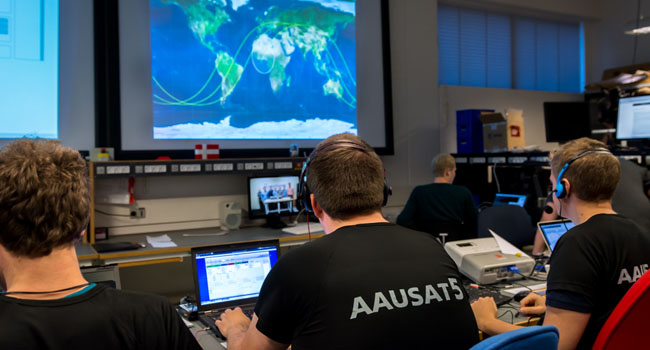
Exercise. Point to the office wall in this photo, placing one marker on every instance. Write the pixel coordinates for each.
(453, 98)
(424, 113)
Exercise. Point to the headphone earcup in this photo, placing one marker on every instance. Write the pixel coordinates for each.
(305, 198)
(560, 191)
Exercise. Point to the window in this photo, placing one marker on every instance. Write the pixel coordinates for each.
(485, 49)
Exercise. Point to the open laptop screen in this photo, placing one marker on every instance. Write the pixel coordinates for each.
(233, 274)
(553, 230)
(509, 199)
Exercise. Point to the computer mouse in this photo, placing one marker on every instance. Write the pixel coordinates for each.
(517, 297)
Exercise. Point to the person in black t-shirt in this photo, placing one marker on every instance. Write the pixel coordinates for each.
(367, 284)
(441, 206)
(45, 303)
(593, 264)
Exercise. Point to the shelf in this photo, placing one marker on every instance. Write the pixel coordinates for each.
(266, 166)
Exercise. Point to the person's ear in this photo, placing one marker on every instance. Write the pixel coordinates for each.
(316, 208)
(567, 187)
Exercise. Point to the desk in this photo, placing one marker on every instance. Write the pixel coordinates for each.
(85, 254)
(187, 239)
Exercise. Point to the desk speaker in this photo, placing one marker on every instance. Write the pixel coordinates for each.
(230, 215)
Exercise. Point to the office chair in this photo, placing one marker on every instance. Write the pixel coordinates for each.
(625, 327)
(508, 221)
(529, 338)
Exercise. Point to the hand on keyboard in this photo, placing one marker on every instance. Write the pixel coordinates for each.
(233, 320)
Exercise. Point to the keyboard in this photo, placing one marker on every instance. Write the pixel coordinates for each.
(475, 293)
(210, 317)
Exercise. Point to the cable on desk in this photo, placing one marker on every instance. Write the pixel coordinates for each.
(200, 330)
(512, 316)
(109, 214)
(531, 277)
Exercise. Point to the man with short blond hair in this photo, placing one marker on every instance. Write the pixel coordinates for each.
(45, 302)
(593, 264)
(367, 284)
(441, 207)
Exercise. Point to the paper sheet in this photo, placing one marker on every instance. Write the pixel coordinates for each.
(162, 241)
(505, 246)
(537, 288)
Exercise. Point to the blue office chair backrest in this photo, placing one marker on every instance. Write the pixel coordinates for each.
(529, 338)
(508, 221)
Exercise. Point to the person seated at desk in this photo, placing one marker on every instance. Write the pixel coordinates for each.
(441, 206)
(46, 302)
(594, 264)
(631, 199)
(368, 284)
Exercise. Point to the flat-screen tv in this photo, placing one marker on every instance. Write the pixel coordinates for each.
(272, 195)
(253, 74)
(566, 121)
(633, 118)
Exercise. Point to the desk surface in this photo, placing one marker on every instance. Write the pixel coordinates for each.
(185, 240)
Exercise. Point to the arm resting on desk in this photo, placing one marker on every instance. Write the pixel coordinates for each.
(242, 333)
(571, 324)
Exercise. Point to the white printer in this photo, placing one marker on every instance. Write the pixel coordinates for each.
(482, 260)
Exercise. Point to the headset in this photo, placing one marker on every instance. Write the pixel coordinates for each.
(560, 190)
(304, 193)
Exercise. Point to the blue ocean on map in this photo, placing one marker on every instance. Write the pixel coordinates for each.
(253, 69)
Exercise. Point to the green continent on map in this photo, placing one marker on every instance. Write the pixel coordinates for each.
(230, 73)
(270, 52)
(201, 21)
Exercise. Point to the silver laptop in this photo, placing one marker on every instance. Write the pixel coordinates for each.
(553, 230)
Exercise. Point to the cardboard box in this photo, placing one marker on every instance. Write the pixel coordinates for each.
(501, 134)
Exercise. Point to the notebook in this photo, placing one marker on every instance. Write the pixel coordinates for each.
(509, 199)
(553, 230)
(229, 276)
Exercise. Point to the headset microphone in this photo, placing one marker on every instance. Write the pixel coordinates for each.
(547, 208)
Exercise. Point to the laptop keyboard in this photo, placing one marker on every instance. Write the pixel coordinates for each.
(209, 317)
(475, 293)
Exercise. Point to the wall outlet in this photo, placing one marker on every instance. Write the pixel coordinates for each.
(138, 213)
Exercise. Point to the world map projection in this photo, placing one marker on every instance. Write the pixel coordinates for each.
(253, 69)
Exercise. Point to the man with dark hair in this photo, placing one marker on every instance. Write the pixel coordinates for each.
(593, 264)
(367, 284)
(441, 207)
(45, 302)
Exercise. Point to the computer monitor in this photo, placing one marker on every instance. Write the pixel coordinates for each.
(633, 118)
(272, 195)
(566, 121)
(509, 199)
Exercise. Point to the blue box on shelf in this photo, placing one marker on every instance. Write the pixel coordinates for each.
(469, 130)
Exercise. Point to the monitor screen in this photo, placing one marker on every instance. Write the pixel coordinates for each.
(252, 75)
(509, 199)
(553, 230)
(633, 118)
(272, 195)
(231, 275)
(566, 121)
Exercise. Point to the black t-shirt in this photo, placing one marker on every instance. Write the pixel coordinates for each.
(439, 202)
(594, 264)
(101, 318)
(368, 286)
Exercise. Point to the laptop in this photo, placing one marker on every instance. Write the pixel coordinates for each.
(229, 276)
(509, 199)
(553, 230)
